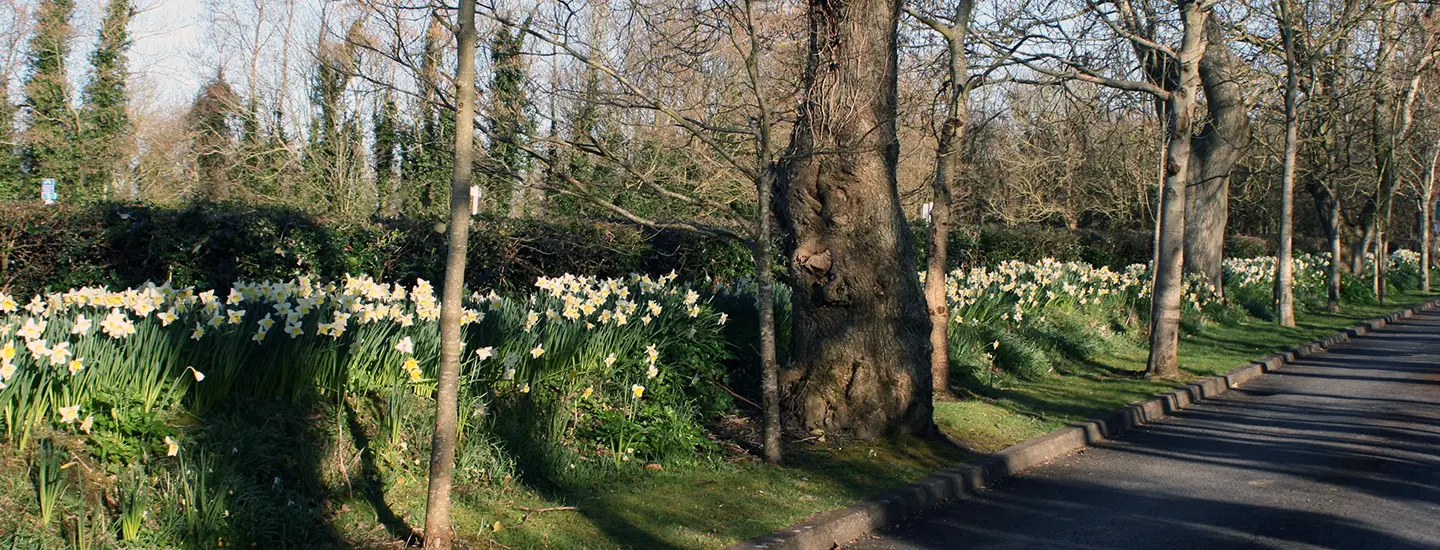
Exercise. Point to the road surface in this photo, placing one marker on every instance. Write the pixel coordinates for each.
(1341, 450)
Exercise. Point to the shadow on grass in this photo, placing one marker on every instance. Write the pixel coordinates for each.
(371, 486)
(701, 507)
(265, 464)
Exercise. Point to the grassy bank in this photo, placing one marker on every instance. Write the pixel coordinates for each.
(999, 417)
(329, 473)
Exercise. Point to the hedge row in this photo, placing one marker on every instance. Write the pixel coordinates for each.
(213, 245)
(989, 245)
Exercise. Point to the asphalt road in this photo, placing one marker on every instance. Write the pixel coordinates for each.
(1341, 450)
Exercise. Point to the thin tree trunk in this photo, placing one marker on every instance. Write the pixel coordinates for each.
(1427, 213)
(1382, 255)
(1164, 358)
(947, 148)
(1284, 264)
(439, 532)
(769, 362)
(1332, 273)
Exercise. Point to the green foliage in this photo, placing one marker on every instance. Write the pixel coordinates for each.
(50, 134)
(104, 120)
(210, 118)
(993, 244)
(509, 117)
(48, 476)
(386, 146)
(213, 245)
(12, 181)
(336, 159)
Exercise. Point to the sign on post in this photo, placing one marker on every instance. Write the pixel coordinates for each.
(474, 200)
(47, 191)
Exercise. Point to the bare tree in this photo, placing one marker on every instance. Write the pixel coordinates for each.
(1285, 264)
(734, 151)
(956, 89)
(1179, 97)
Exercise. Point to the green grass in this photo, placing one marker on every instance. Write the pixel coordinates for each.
(1000, 417)
(705, 507)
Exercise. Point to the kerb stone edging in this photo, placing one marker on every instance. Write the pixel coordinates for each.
(828, 530)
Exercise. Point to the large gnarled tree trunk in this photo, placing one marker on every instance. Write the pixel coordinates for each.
(1217, 148)
(860, 353)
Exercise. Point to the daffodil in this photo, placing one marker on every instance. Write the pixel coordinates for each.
(75, 366)
(412, 367)
(637, 391)
(538, 351)
(651, 372)
(610, 360)
(70, 414)
(88, 423)
(199, 376)
(117, 324)
(32, 329)
(172, 447)
(485, 353)
(60, 353)
(81, 326)
(405, 345)
(588, 391)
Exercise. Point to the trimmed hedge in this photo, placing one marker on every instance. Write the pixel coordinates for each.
(212, 245)
(989, 245)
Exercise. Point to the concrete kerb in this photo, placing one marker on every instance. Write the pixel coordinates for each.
(828, 530)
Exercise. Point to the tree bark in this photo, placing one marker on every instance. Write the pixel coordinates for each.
(1164, 358)
(1218, 147)
(1284, 264)
(860, 353)
(439, 532)
(1332, 273)
(1427, 216)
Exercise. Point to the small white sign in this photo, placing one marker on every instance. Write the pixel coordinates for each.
(474, 200)
(47, 191)
(926, 209)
